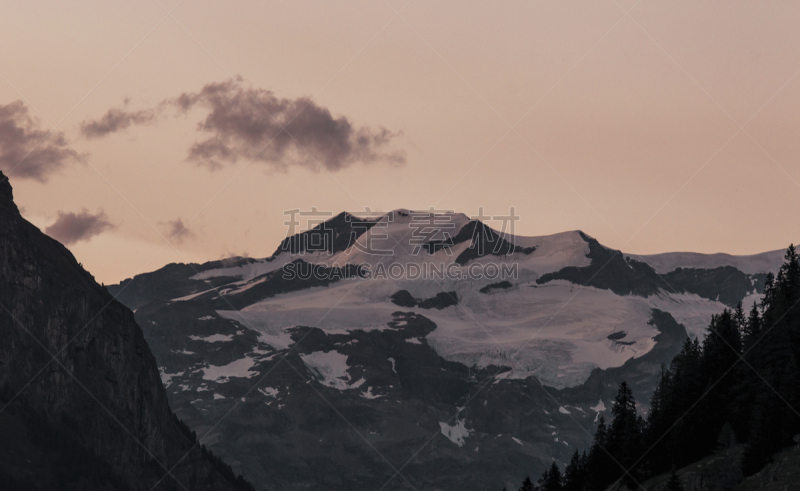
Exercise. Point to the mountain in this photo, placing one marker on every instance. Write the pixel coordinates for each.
(82, 406)
(466, 358)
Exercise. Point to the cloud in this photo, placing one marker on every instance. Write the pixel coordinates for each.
(26, 150)
(75, 227)
(229, 259)
(116, 120)
(176, 231)
(254, 124)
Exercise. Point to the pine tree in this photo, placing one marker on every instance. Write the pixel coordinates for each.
(599, 465)
(551, 479)
(752, 328)
(689, 384)
(625, 434)
(723, 343)
(658, 423)
(769, 290)
(575, 473)
(792, 266)
(721, 353)
(527, 485)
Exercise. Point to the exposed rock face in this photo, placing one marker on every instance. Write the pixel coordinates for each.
(440, 301)
(624, 275)
(74, 363)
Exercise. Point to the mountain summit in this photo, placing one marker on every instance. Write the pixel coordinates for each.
(363, 341)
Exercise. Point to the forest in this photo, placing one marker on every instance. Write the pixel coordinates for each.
(739, 386)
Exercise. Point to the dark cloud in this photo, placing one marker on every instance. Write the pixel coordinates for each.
(75, 227)
(254, 124)
(176, 231)
(26, 150)
(115, 120)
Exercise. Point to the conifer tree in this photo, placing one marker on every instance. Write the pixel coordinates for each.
(752, 328)
(658, 422)
(551, 479)
(527, 485)
(769, 290)
(721, 353)
(625, 433)
(575, 473)
(598, 466)
(792, 265)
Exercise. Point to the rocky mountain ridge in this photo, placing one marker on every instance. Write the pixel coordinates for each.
(82, 404)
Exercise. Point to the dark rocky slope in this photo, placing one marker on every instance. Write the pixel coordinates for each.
(170, 281)
(82, 405)
(721, 471)
(286, 430)
(612, 270)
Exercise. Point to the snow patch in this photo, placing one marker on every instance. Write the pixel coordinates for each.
(330, 369)
(269, 392)
(244, 288)
(214, 338)
(689, 309)
(166, 378)
(369, 395)
(599, 408)
(456, 433)
(238, 368)
(193, 295)
(245, 271)
(502, 376)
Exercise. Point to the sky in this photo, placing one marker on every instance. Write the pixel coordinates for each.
(144, 133)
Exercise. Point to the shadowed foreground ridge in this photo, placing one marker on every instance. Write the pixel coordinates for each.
(82, 406)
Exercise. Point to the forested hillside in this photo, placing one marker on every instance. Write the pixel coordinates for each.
(739, 387)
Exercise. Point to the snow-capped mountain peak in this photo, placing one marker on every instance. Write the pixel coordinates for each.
(397, 310)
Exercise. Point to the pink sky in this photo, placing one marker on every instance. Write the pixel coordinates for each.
(653, 126)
